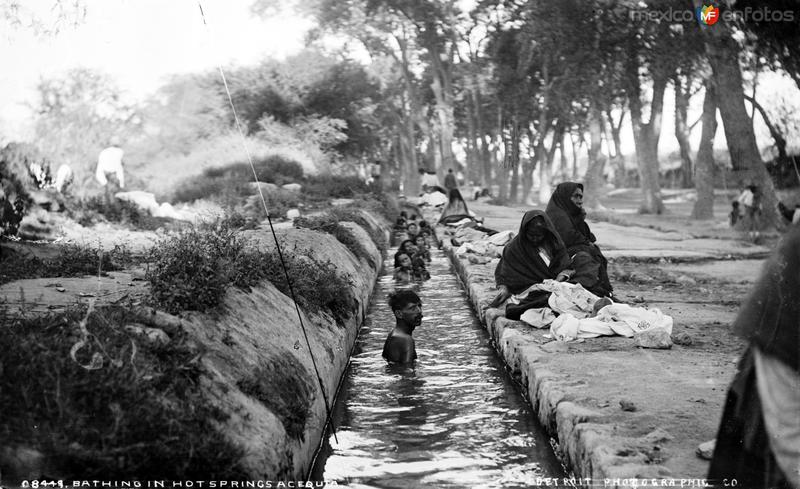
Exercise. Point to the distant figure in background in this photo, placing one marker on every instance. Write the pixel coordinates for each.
(758, 443)
(450, 181)
(407, 308)
(110, 162)
(40, 174)
(481, 192)
(791, 215)
(63, 177)
(375, 174)
(428, 179)
(750, 200)
(736, 213)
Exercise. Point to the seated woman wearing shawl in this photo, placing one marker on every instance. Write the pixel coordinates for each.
(565, 210)
(532, 256)
(758, 442)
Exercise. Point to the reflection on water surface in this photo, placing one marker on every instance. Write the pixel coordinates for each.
(453, 420)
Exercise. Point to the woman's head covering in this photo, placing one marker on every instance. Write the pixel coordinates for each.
(568, 218)
(521, 265)
(562, 197)
(769, 315)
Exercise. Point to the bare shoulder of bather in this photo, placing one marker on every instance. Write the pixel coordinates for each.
(399, 347)
(407, 309)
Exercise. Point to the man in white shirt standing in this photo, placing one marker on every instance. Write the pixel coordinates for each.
(110, 161)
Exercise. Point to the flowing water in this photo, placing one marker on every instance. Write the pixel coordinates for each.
(453, 420)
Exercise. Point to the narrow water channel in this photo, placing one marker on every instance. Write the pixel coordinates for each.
(454, 420)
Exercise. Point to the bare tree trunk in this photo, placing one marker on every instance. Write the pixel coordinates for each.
(646, 136)
(485, 158)
(442, 88)
(528, 167)
(505, 166)
(576, 146)
(704, 176)
(546, 156)
(682, 131)
(514, 190)
(558, 134)
(473, 158)
(512, 159)
(723, 56)
(593, 180)
(545, 189)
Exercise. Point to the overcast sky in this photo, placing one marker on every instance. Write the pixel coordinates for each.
(139, 43)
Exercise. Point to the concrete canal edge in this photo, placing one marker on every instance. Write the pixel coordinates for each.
(258, 369)
(594, 442)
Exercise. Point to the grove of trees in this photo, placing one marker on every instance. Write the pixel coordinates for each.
(514, 82)
(493, 88)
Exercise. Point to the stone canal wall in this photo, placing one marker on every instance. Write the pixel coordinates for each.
(260, 369)
(616, 411)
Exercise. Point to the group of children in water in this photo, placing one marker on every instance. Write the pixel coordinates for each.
(414, 251)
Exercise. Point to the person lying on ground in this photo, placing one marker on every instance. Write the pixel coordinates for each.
(407, 309)
(403, 269)
(565, 210)
(758, 442)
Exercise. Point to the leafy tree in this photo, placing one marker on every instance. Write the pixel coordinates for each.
(187, 109)
(16, 15)
(722, 52)
(77, 115)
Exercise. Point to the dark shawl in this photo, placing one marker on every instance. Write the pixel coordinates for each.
(521, 266)
(456, 208)
(568, 218)
(770, 315)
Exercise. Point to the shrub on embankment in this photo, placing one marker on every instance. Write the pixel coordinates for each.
(191, 271)
(101, 403)
(327, 223)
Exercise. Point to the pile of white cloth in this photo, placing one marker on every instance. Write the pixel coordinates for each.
(577, 318)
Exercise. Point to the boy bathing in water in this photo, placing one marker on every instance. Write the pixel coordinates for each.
(407, 309)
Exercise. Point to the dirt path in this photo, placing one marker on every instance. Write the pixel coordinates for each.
(676, 394)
